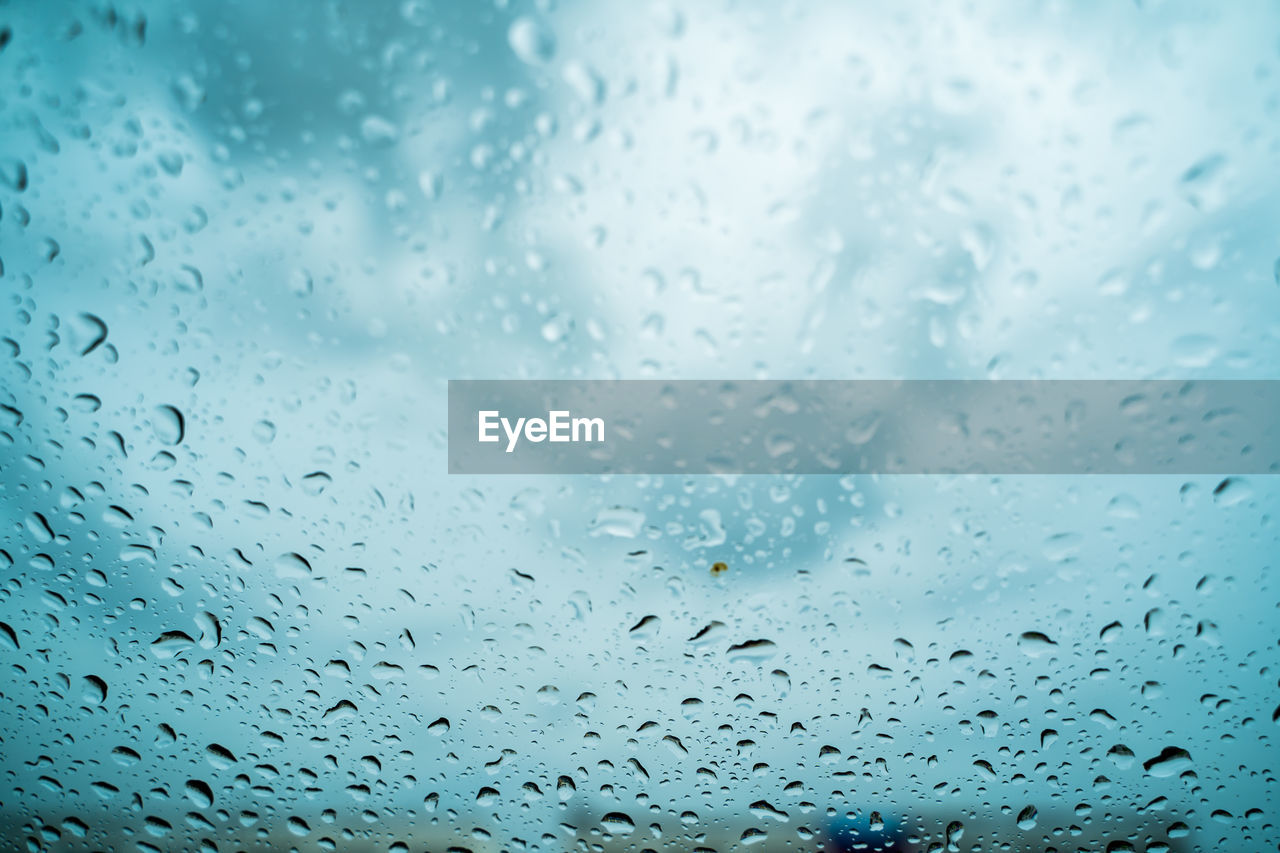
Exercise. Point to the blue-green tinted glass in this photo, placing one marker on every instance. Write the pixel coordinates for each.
(244, 245)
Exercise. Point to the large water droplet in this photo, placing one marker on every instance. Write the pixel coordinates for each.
(752, 651)
(617, 823)
(531, 41)
(169, 425)
(1171, 761)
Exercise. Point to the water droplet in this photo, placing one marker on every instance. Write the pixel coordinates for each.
(585, 82)
(1171, 761)
(301, 283)
(557, 328)
(199, 793)
(431, 184)
(88, 332)
(1232, 491)
(292, 566)
(617, 823)
(623, 522)
(171, 643)
(343, 710)
(210, 630)
(646, 628)
(1034, 644)
(219, 756)
(169, 425)
(752, 651)
(125, 757)
(264, 431)
(531, 40)
(94, 690)
(315, 483)
(379, 131)
(1204, 185)
(1121, 756)
(13, 174)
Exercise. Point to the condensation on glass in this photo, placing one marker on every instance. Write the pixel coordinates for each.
(245, 245)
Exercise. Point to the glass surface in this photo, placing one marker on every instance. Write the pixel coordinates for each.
(244, 245)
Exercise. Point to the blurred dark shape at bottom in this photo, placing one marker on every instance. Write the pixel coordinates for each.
(869, 832)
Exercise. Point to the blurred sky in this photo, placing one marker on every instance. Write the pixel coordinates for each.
(296, 221)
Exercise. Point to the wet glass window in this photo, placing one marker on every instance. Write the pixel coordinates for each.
(245, 245)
